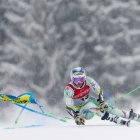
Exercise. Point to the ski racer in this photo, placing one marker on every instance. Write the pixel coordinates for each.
(84, 98)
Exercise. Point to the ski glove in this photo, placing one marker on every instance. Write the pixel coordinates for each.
(79, 120)
(103, 106)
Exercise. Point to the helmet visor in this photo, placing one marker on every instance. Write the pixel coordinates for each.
(79, 79)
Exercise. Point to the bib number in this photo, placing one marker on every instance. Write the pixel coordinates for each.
(85, 97)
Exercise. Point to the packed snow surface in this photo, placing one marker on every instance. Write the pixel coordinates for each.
(53, 130)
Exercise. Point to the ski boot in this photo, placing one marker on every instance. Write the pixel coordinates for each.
(115, 119)
(134, 116)
(124, 122)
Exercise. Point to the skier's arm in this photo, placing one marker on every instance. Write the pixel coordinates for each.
(79, 120)
(94, 86)
(96, 89)
(68, 94)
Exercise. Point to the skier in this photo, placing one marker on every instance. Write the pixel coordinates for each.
(82, 105)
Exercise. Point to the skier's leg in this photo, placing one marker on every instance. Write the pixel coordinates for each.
(131, 115)
(112, 118)
(88, 110)
(106, 115)
(124, 114)
(118, 112)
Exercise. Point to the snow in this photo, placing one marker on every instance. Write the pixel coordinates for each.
(94, 129)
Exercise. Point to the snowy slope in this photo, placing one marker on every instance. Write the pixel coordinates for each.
(94, 129)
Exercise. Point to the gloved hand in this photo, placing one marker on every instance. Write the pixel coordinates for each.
(79, 120)
(103, 106)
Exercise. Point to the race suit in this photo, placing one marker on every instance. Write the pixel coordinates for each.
(84, 101)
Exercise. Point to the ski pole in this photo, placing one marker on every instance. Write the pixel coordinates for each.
(125, 94)
(130, 92)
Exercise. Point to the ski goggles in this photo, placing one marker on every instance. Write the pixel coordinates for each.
(79, 79)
